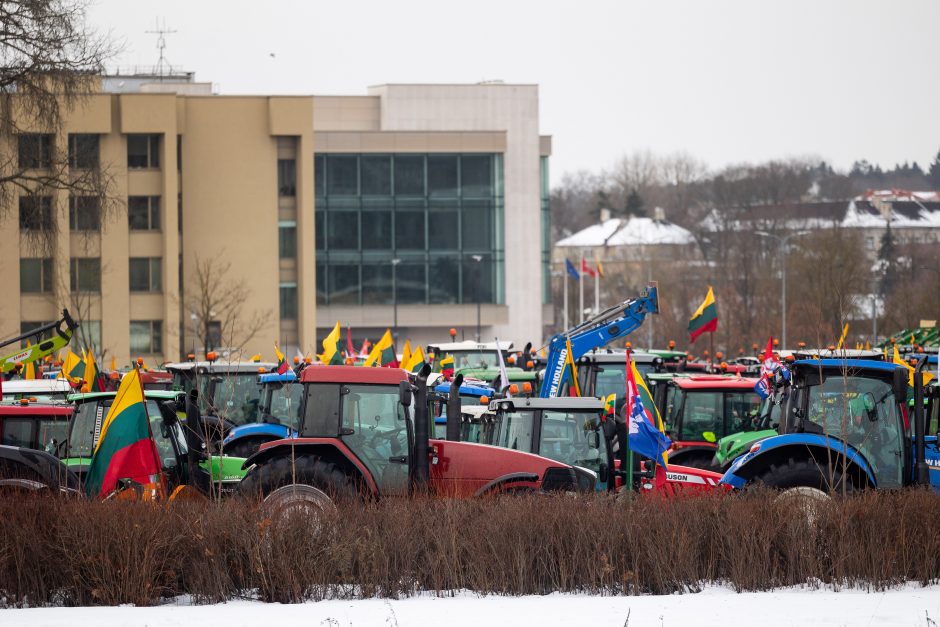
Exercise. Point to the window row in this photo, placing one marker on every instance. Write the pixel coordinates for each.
(433, 175)
(474, 227)
(36, 275)
(146, 336)
(419, 280)
(35, 213)
(35, 150)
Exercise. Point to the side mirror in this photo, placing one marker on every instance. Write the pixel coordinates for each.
(404, 393)
(899, 384)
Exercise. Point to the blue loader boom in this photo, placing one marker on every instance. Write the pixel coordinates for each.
(617, 322)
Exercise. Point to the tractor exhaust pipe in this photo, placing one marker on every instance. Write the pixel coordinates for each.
(453, 409)
(920, 428)
(420, 464)
(192, 431)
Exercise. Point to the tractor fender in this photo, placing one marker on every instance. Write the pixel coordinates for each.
(824, 450)
(255, 429)
(506, 481)
(679, 454)
(329, 449)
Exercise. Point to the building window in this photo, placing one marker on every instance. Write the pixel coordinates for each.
(84, 213)
(27, 326)
(85, 274)
(870, 243)
(83, 151)
(146, 274)
(287, 240)
(35, 276)
(90, 334)
(35, 150)
(286, 177)
(288, 301)
(143, 151)
(35, 213)
(432, 212)
(143, 213)
(146, 337)
(546, 224)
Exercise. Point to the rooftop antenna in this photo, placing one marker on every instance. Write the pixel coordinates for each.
(161, 31)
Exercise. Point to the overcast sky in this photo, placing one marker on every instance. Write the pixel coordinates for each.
(726, 81)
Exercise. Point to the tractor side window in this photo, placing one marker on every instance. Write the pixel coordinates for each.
(237, 398)
(611, 380)
(673, 403)
(161, 435)
(51, 433)
(379, 435)
(514, 430)
(285, 404)
(864, 413)
(18, 432)
(702, 412)
(321, 410)
(572, 438)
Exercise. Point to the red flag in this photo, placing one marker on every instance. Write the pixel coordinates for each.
(364, 350)
(350, 349)
(586, 269)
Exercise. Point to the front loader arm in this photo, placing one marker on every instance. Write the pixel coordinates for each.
(40, 348)
(617, 322)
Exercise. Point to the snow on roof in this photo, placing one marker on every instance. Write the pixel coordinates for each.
(631, 232)
(916, 214)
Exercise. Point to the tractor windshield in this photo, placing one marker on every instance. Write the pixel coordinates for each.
(285, 404)
(237, 397)
(611, 378)
(573, 438)
(863, 412)
(475, 359)
(376, 429)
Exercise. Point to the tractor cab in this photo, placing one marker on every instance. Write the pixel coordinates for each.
(229, 394)
(699, 410)
(280, 412)
(566, 429)
(34, 425)
(470, 357)
(41, 390)
(603, 371)
(470, 391)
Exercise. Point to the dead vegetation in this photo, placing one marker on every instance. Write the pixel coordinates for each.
(78, 553)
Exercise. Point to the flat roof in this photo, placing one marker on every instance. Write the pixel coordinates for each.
(352, 374)
(849, 364)
(221, 367)
(470, 345)
(620, 357)
(22, 386)
(716, 383)
(35, 409)
(574, 403)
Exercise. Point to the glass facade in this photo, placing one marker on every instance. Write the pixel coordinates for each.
(411, 228)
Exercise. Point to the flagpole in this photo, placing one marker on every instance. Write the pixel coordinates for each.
(597, 290)
(564, 278)
(627, 411)
(581, 292)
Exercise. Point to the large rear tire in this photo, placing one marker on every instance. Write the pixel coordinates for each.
(308, 470)
(806, 473)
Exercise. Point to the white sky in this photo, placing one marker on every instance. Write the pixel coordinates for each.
(724, 80)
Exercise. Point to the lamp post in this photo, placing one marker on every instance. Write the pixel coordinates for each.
(784, 249)
(395, 263)
(478, 259)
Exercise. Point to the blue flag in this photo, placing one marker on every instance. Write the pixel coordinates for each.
(572, 270)
(645, 439)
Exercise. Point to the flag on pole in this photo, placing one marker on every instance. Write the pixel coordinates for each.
(383, 353)
(72, 368)
(406, 353)
(282, 365)
(610, 405)
(350, 349)
(90, 375)
(768, 363)
(574, 385)
(845, 332)
(645, 438)
(416, 362)
(125, 448)
(572, 271)
(332, 355)
(600, 267)
(586, 269)
(705, 318)
(928, 376)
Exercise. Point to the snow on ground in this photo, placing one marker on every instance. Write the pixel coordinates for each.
(908, 606)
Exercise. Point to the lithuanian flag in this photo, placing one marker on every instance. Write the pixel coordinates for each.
(705, 318)
(574, 386)
(610, 405)
(90, 374)
(282, 365)
(125, 448)
(383, 353)
(73, 368)
(445, 366)
(405, 353)
(332, 355)
(416, 361)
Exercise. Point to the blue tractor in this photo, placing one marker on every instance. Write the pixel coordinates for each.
(846, 425)
(469, 392)
(279, 414)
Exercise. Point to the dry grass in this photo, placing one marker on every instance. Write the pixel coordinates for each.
(78, 553)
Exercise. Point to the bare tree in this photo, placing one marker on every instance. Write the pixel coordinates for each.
(218, 302)
(49, 60)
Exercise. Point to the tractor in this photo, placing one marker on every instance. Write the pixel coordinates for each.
(40, 426)
(366, 434)
(845, 425)
(278, 415)
(602, 372)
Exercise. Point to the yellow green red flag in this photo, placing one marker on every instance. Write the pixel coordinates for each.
(383, 353)
(332, 354)
(705, 318)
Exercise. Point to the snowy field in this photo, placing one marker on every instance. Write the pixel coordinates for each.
(909, 606)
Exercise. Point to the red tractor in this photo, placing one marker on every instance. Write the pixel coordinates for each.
(366, 433)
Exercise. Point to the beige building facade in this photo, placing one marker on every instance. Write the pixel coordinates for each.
(428, 200)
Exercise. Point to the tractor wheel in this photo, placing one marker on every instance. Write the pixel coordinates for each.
(795, 476)
(309, 470)
(244, 447)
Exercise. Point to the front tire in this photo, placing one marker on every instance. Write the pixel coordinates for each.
(806, 473)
